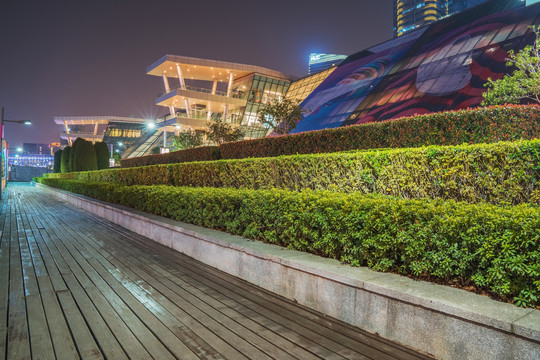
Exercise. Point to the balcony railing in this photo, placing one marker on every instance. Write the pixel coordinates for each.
(234, 95)
(203, 115)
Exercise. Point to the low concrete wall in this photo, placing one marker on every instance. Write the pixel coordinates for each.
(26, 173)
(438, 320)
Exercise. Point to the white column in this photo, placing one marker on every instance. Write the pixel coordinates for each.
(183, 87)
(95, 132)
(166, 83)
(67, 133)
(229, 87)
(214, 88)
(229, 91)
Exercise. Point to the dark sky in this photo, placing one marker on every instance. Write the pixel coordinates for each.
(78, 58)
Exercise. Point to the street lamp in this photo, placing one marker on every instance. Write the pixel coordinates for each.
(3, 166)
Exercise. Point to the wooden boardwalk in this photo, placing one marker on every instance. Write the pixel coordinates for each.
(73, 285)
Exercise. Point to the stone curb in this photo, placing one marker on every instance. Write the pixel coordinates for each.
(445, 322)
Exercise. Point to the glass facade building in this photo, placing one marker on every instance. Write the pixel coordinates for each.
(443, 66)
(116, 131)
(301, 88)
(198, 91)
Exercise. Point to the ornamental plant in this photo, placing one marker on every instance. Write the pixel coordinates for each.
(524, 82)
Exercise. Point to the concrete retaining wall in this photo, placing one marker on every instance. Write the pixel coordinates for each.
(438, 320)
(26, 173)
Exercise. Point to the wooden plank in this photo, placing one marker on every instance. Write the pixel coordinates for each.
(123, 334)
(60, 333)
(18, 342)
(4, 278)
(167, 337)
(106, 340)
(83, 337)
(40, 339)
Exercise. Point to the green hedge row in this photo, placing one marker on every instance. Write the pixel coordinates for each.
(205, 153)
(491, 247)
(501, 173)
(480, 125)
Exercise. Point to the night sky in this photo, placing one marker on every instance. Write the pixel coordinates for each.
(78, 58)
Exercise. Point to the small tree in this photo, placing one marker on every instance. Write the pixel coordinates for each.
(64, 160)
(102, 155)
(524, 83)
(187, 139)
(85, 157)
(57, 161)
(73, 152)
(280, 116)
(220, 132)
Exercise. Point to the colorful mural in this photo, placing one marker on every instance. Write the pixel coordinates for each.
(440, 67)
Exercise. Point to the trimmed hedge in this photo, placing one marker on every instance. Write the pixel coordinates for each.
(480, 125)
(494, 248)
(206, 153)
(501, 173)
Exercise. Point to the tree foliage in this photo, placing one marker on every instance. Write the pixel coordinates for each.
(220, 132)
(102, 155)
(281, 116)
(64, 160)
(187, 139)
(73, 151)
(57, 161)
(524, 83)
(84, 158)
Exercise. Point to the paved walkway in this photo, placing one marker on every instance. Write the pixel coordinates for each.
(73, 285)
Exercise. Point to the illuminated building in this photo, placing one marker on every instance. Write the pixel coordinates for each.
(319, 62)
(301, 88)
(440, 67)
(120, 132)
(413, 14)
(198, 91)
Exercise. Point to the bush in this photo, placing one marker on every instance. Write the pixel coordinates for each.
(84, 158)
(502, 173)
(73, 152)
(205, 153)
(57, 168)
(102, 155)
(491, 247)
(64, 160)
(481, 125)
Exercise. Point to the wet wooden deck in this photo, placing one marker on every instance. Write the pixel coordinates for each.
(73, 285)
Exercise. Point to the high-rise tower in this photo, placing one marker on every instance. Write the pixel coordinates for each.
(412, 14)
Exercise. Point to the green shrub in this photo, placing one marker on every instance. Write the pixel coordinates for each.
(73, 152)
(481, 125)
(102, 155)
(501, 173)
(64, 160)
(205, 153)
(85, 156)
(491, 247)
(57, 167)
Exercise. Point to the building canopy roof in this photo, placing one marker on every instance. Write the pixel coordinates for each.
(204, 69)
(92, 120)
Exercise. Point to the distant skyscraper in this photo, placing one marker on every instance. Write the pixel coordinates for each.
(412, 14)
(319, 62)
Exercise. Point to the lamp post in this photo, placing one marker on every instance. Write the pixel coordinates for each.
(3, 176)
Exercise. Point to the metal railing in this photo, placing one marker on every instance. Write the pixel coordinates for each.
(234, 95)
